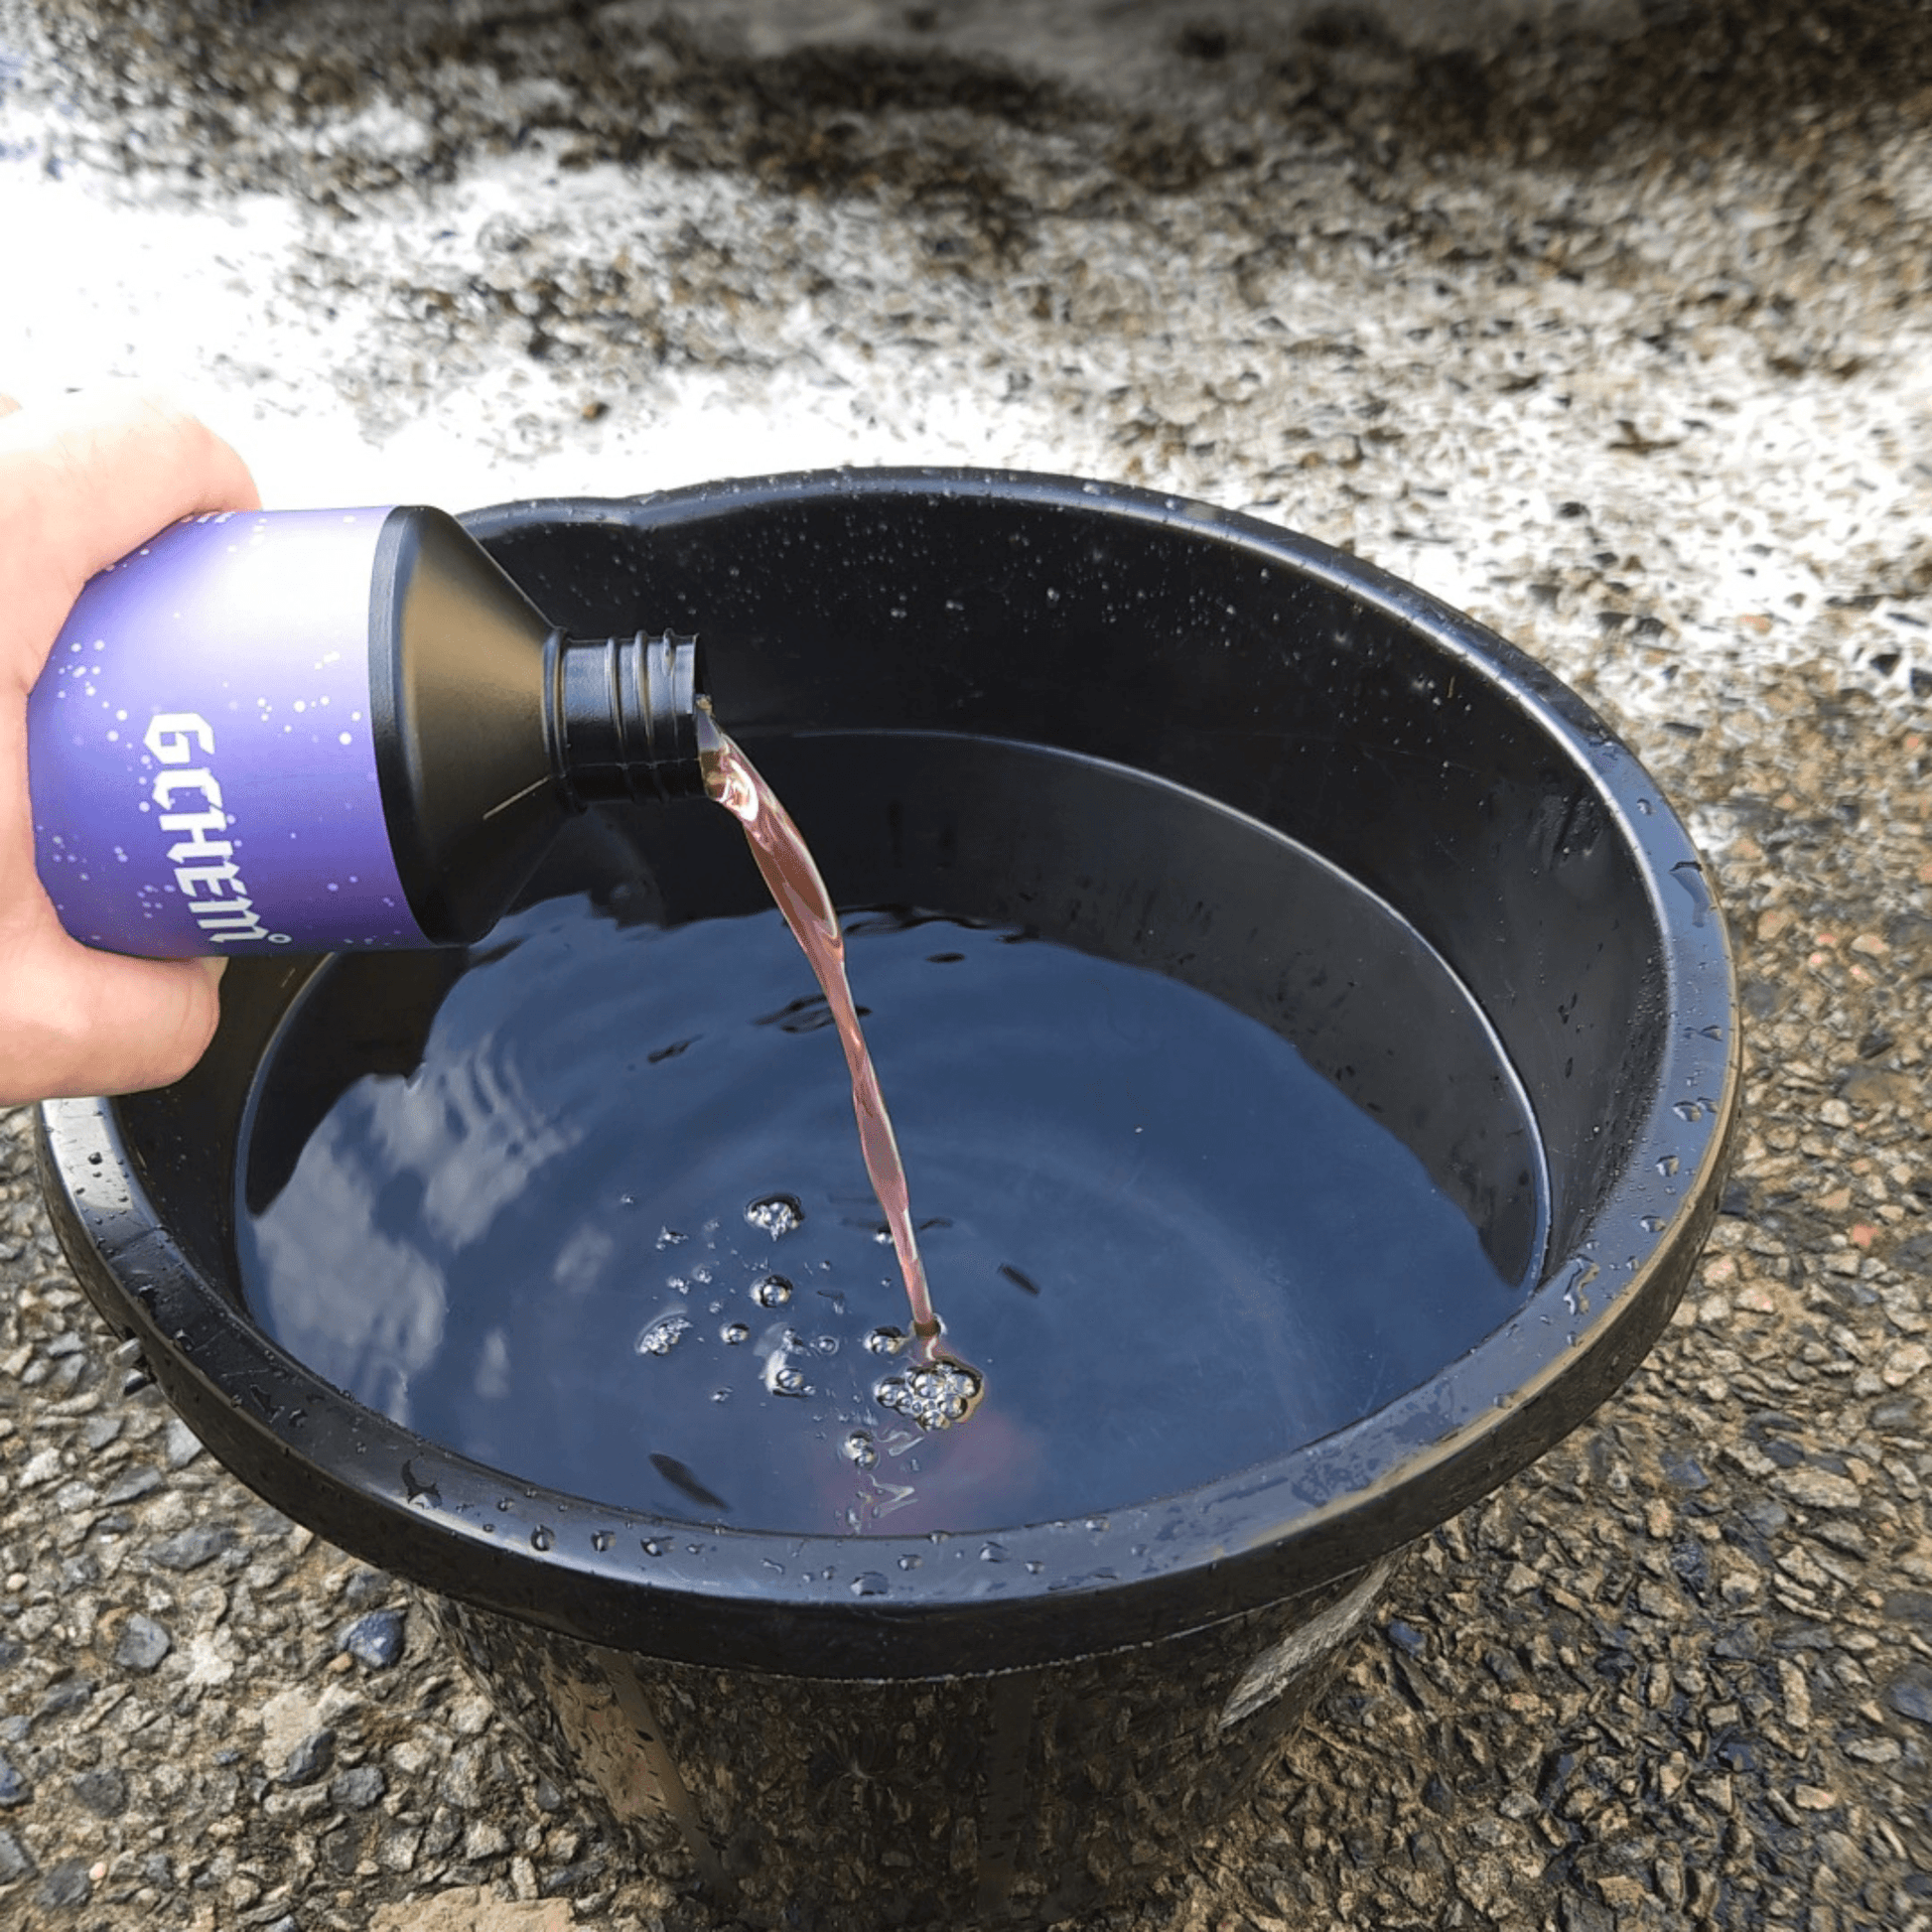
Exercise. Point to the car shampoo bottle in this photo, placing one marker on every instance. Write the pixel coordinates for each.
(328, 729)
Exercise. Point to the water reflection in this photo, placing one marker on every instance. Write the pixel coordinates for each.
(398, 1184)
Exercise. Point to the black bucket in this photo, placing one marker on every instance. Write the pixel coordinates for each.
(1154, 732)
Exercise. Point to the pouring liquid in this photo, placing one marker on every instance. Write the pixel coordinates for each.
(938, 1389)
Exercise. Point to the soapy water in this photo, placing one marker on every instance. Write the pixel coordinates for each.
(935, 1395)
(777, 1215)
(1176, 1249)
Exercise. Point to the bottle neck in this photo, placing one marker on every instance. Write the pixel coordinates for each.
(620, 717)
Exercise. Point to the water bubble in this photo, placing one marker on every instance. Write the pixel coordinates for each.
(600, 1540)
(869, 1583)
(911, 1561)
(993, 1553)
(651, 1547)
(659, 1337)
(721, 1395)
(885, 1341)
(1667, 1166)
(936, 1394)
(860, 1450)
(776, 1215)
(666, 1237)
(773, 1291)
(541, 1538)
(1651, 1223)
(825, 1344)
(733, 1333)
(783, 1376)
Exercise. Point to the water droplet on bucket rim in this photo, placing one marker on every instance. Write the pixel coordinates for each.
(1690, 875)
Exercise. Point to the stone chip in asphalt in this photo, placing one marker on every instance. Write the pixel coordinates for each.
(189, 1548)
(143, 1644)
(376, 1640)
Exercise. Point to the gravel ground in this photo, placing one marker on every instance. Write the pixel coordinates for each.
(1609, 324)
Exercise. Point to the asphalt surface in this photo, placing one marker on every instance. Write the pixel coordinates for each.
(1610, 324)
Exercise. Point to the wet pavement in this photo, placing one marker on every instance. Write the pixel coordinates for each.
(1609, 324)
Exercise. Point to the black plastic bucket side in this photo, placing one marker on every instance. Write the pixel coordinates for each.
(1012, 1798)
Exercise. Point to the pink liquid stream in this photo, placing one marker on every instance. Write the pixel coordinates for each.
(799, 891)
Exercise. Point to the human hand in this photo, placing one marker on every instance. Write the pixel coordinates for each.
(82, 483)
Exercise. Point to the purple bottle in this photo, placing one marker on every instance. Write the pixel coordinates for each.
(324, 729)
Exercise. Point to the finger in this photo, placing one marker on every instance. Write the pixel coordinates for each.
(84, 482)
(73, 1021)
(8, 404)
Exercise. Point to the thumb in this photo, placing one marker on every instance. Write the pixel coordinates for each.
(73, 1021)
